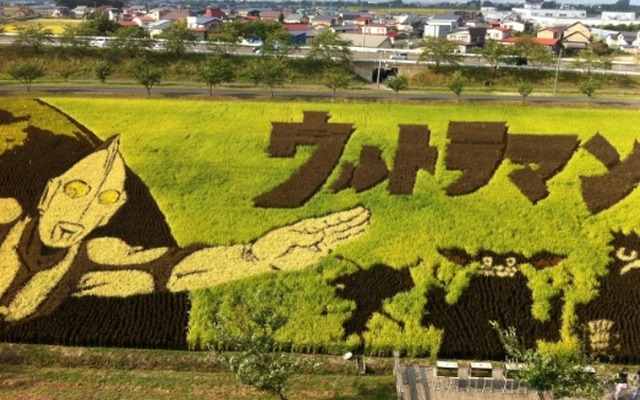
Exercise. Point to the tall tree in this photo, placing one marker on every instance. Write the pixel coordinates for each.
(100, 24)
(536, 54)
(457, 83)
(248, 325)
(131, 40)
(552, 373)
(26, 72)
(226, 39)
(179, 38)
(75, 39)
(337, 78)
(439, 50)
(588, 60)
(215, 70)
(269, 72)
(398, 83)
(495, 53)
(331, 48)
(146, 73)
(33, 36)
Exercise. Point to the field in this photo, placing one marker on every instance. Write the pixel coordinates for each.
(206, 165)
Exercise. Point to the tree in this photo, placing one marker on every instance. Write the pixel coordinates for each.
(439, 50)
(75, 39)
(589, 60)
(398, 83)
(495, 53)
(552, 373)
(524, 88)
(100, 24)
(269, 72)
(225, 40)
(131, 40)
(589, 87)
(247, 325)
(537, 55)
(145, 73)
(103, 69)
(258, 30)
(337, 78)
(179, 38)
(35, 36)
(331, 48)
(26, 72)
(457, 83)
(214, 71)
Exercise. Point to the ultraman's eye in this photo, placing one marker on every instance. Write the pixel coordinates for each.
(511, 261)
(76, 189)
(487, 261)
(109, 196)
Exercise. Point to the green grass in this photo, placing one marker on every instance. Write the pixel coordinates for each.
(205, 161)
(18, 381)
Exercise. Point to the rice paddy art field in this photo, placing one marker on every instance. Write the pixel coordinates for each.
(474, 213)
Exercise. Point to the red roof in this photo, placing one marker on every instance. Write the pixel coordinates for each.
(216, 13)
(544, 42)
(127, 23)
(296, 27)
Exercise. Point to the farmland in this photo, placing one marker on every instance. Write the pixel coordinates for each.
(205, 163)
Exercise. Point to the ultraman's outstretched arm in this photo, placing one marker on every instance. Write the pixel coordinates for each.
(289, 248)
(125, 270)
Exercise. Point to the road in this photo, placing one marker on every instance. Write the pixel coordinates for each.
(308, 92)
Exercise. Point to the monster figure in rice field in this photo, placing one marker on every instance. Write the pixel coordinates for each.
(615, 333)
(498, 291)
(56, 245)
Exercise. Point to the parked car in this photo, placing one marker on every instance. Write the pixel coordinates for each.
(399, 56)
(100, 42)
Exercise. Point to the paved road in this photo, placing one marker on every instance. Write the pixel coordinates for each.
(309, 93)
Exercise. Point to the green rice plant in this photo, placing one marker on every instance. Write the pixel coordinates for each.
(205, 162)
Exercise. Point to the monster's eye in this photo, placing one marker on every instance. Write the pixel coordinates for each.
(109, 196)
(487, 261)
(76, 189)
(624, 255)
(511, 261)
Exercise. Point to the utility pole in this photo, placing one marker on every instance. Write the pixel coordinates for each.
(379, 66)
(555, 83)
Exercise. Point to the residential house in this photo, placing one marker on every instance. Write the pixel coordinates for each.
(324, 21)
(61, 12)
(468, 38)
(216, 13)
(298, 33)
(363, 20)
(349, 18)
(273, 15)
(552, 45)
(624, 41)
(81, 11)
(177, 15)
(377, 29)
(370, 41)
(346, 29)
(159, 27)
(203, 26)
(576, 36)
(296, 18)
(143, 21)
(498, 33)
(443, 24)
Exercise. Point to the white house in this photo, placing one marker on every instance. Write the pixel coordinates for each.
(441, 25)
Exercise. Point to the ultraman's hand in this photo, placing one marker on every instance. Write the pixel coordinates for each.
(304, 243)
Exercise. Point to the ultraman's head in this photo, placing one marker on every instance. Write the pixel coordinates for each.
(84, 197)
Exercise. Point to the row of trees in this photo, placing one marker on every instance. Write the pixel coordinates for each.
(271, 67)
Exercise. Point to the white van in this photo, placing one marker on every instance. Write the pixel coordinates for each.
(399, 56)
(100, 42)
